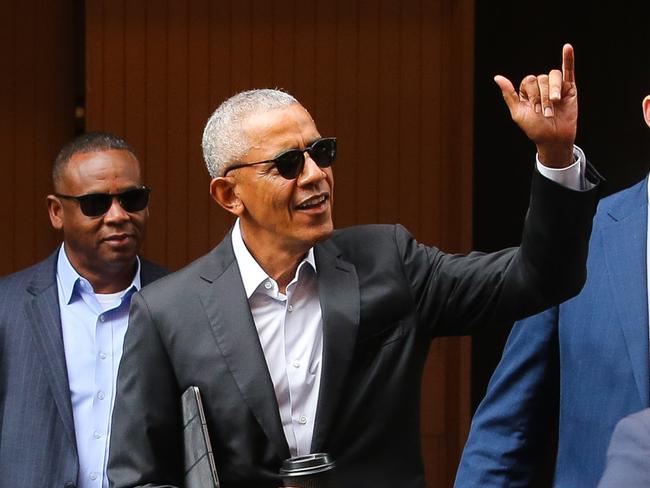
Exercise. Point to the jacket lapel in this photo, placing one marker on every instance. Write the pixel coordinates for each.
(625, 241)
(338, 289)
(236, 336)
(150, 272)
(45, 320)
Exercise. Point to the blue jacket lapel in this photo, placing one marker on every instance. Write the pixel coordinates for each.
(43, 316)
(625, 240)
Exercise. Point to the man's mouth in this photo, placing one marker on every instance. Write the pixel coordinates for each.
(313, 202)
(118, 238)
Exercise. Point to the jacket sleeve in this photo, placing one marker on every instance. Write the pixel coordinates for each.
(512, 425)
(145, 441)
(456, 294)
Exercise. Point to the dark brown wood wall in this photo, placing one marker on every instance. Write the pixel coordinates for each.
(391, 79)
(37, 99)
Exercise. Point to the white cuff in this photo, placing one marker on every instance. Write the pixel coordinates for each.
(573, 176)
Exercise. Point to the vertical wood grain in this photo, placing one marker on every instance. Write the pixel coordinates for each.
(177, 134)
(25, 135)
(156, 113)
(325, 104)
(283, 44)
(53, 119)
(222, 50)
(113, 72)
(199, 204)
(8, 108)
(37, 91)
(345, 36)
(387, 140)
(304, 62)
(367, 197)
(262, 49)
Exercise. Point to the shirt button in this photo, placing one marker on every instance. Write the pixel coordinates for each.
(296, 364)
(302, 419)
(102, 318)
(100, 395)
(290, 308)
(97, 435)
(102, 355)
(93, 476)
(268, 285)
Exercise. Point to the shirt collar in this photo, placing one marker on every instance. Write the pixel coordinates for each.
(251, 272)
(70, 280)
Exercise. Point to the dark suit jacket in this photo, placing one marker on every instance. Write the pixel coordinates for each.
(383, 297)
(628, 456)
(37, 440)
(583, 364)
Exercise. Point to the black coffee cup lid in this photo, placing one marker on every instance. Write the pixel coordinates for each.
(308, 464)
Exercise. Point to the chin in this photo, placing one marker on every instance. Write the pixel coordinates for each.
(323, 235)
(122, 257)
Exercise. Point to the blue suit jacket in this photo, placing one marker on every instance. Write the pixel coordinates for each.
(37, 439)
(589, 357)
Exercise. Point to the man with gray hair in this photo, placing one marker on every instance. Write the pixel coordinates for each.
(303, 339)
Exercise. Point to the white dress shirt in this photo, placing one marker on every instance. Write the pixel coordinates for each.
(573, 176)
(93, 328)
(290, 327)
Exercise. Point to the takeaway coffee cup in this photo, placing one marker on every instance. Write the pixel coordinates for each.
(310, 471)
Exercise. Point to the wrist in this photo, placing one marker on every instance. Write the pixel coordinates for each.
(556, 157)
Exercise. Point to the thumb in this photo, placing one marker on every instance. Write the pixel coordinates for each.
(508, 91)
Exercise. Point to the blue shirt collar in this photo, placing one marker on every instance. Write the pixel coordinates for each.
(72, 282)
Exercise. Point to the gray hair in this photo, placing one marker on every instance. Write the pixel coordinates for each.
(224, 140)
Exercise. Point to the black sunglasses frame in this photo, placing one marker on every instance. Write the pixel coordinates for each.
(98, 204)
(291, 163)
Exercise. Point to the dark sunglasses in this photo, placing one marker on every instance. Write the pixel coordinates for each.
(97, 204)
(290, 163)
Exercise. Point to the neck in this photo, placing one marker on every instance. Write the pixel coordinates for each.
(106, 280)
(111, 282)
(279, 264)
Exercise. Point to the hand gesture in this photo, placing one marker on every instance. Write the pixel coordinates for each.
(546, 109)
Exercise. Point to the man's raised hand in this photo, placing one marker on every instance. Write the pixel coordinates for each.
(546, 109)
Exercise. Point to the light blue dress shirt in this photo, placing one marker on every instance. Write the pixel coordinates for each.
(93, 328)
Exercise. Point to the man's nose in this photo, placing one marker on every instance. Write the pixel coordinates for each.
(311, 172)
(115, 212)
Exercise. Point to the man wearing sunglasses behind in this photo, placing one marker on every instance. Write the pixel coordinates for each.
(63, 320)
(303, 339)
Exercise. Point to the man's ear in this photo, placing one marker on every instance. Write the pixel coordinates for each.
(646, 110)
(55, 210)
(223, 191)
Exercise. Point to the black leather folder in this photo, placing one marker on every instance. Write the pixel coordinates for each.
(200, 469)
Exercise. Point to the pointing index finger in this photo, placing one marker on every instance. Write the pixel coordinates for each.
(568, 71)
